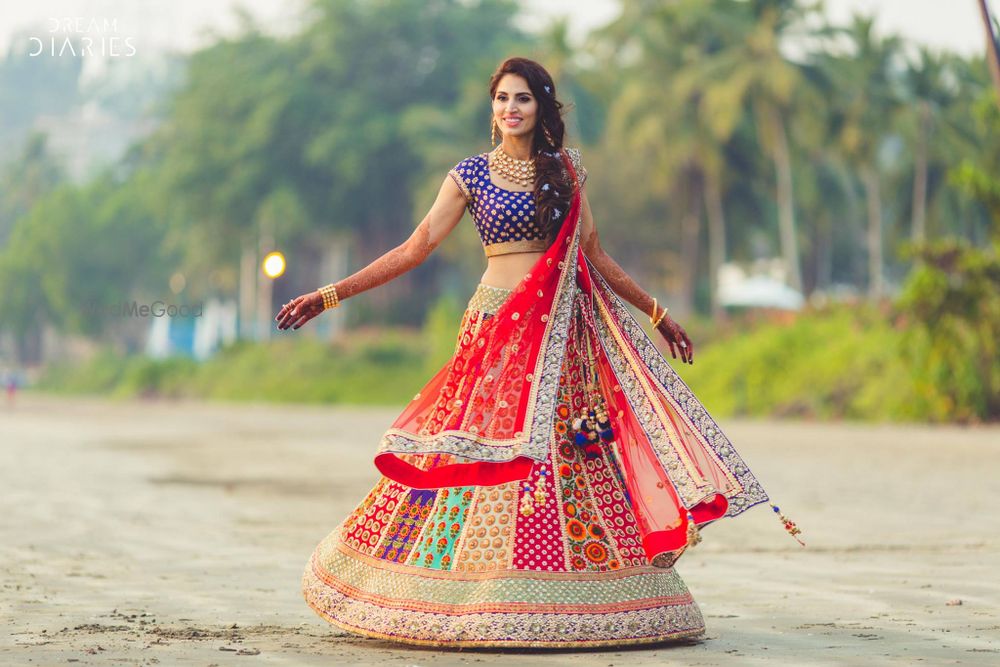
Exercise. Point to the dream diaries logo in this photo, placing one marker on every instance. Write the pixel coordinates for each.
(81, 37)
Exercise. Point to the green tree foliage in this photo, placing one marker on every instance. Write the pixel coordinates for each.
(325, 126)
(27, 180)
(953, 301)
(34, 85)
(713, 130)
(80, 246)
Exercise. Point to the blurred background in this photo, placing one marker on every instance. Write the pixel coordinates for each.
(811, 187)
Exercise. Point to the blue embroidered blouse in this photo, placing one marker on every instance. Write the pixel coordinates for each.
(505, 219)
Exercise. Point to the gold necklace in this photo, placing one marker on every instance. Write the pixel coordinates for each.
(517, 171)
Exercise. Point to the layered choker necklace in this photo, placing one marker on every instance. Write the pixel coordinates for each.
(517, 171)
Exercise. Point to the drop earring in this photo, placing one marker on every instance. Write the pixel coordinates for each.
(493, 132)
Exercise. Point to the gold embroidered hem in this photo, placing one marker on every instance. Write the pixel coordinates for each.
(496, 607)
(524, 245)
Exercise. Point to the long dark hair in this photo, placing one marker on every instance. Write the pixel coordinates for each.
(552, 202)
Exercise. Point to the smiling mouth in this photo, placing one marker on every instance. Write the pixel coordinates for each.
(512, 122)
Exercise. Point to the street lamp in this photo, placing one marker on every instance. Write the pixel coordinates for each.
(273, 266)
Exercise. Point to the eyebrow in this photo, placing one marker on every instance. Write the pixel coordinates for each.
(523, 92)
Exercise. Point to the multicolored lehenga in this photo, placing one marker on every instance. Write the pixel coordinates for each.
(539, 488)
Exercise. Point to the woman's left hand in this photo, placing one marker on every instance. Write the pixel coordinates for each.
(300, 310)
(677, 338)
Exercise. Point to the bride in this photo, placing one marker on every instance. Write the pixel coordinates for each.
(539, 488)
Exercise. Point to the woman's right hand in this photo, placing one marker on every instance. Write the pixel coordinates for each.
(300, 310)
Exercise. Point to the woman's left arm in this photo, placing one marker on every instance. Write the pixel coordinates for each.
(623, 284)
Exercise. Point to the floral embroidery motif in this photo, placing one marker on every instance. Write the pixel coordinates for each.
(588, 545)
(436, 544)
(364, 527)
(401, 534)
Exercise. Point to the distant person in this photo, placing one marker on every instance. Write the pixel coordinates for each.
(539, 488)
(10, 385)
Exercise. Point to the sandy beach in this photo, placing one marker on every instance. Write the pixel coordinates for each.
(176, 533)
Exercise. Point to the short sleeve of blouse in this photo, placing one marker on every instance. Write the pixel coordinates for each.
(577, 160)
(464, 174)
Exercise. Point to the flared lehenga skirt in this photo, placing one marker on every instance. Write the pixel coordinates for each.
(464, 566)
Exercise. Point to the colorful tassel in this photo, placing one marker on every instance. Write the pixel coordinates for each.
(540, 494)
(693, 534)
(790, 526)
(527, 506)
(529, 500)
(593, 427)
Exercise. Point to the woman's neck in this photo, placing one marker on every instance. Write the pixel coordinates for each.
(518, 148)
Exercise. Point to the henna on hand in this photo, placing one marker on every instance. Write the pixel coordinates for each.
(625, 286)
(392, 264)
(675, 335)
(300, 310)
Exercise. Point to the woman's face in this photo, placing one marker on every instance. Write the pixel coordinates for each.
(514, 107)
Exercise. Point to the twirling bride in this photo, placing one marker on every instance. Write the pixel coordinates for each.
(538, 489)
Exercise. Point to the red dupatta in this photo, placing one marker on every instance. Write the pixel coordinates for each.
(487, 415)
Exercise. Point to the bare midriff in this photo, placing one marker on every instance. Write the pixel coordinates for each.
(507, 270)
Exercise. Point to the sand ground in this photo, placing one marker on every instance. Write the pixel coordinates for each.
(176, 534)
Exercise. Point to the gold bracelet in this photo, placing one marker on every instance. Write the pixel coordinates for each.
(330, 298)
(656, 322)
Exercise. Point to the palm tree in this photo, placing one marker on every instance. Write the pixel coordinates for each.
(695, 155)
(866, 90)
(929, 93)
(659, 127)
(750, 71)
(992, 45)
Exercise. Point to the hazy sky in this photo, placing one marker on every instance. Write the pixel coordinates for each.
(158, 24)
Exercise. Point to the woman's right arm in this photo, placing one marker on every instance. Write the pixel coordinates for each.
(444, 215)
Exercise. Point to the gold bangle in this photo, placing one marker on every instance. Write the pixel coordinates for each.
(330, 298)
(656, 322)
